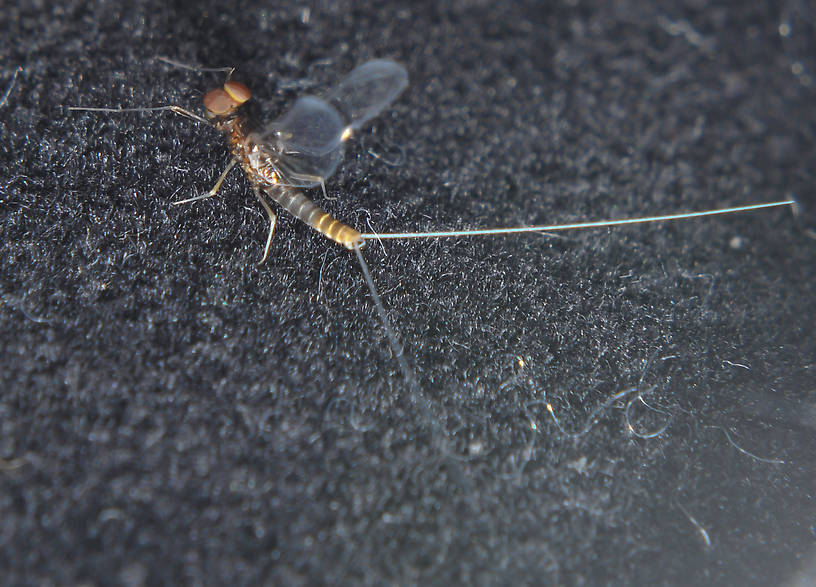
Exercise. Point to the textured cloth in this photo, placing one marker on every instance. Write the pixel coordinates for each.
(172, 413)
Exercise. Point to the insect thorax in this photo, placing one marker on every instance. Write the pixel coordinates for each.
(256, 159)
(261, 160)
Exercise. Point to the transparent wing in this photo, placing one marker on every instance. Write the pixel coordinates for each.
(312, 126)
(368, 89)
(307, 141)
(304, 170)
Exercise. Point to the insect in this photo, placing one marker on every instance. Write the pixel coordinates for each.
(304, 147)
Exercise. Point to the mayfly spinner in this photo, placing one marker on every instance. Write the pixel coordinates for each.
(303, 148)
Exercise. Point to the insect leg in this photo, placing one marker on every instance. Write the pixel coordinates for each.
(177, 109)
(4, 99)
(214, 189)
(273, 219)
(228, 70)
(303, 178)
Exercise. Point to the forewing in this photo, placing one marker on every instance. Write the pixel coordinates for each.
(367, 90)
(311, 126)
(307, 141)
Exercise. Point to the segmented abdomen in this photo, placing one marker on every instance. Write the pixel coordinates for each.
(302, 208)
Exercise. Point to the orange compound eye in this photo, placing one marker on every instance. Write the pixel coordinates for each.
(224, 100)
(238, 92)
(217, 102)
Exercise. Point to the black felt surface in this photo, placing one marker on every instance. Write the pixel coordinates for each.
(172, 413)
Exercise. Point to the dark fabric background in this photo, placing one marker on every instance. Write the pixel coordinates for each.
(171, 413)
